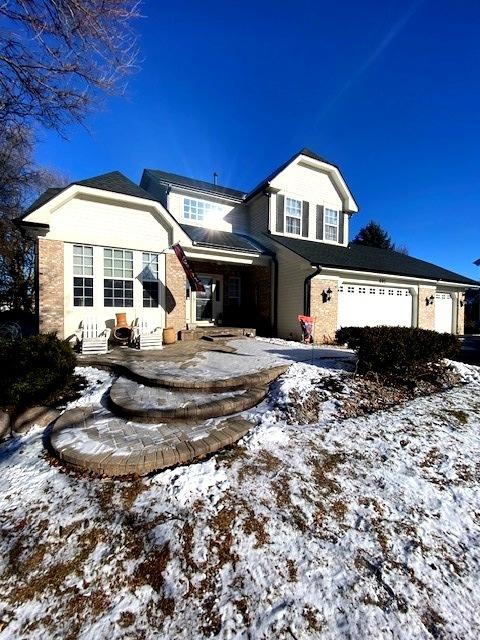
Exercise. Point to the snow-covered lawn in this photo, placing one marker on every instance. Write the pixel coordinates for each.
(362, 528)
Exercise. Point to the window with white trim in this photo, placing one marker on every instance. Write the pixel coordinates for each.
(234, 290)
(199, 209)
(150, 279)
(331, 218)
(118, 277)
(293, 216)
(82, 268)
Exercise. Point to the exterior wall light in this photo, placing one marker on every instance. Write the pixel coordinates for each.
(327, 295)
(430, 300)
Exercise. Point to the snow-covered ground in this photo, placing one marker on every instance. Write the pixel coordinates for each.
(362, 528)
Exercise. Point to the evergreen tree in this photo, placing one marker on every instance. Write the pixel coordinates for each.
(372, 235)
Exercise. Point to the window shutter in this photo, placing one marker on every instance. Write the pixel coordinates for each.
(319, 234)
(341, 226)
(280, 213)
(305, 215)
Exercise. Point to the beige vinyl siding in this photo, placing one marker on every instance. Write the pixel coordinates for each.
(231, 217)
(83, 221)
(258, 214)
(311, 185)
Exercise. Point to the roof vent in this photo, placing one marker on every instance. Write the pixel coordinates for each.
(215, 178)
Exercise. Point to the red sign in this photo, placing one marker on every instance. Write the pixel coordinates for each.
(195, 283)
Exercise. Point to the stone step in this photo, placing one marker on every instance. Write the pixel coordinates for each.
(148, 404)
(96, 441)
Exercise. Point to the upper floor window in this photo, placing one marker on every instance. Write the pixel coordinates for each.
(82, 268)
(199, 209)
(293, 216)
(331, 225)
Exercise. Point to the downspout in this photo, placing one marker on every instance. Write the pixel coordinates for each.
(306, 289)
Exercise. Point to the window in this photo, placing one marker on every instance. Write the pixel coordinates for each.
(150, 279)
(198, 209)
(118, 290)
(82, 266)
(331, 225)
(118, 293)
(118, 263)
(234, 290)
(372, 291)
(293, 216)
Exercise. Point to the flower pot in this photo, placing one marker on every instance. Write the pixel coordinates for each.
(169, 335)
(121, 320)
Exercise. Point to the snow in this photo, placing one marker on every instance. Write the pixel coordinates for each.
(361, 528)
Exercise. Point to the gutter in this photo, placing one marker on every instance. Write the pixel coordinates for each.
(307, 287)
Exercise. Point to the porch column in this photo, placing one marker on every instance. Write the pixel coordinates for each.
(426, 312)
(175, 287)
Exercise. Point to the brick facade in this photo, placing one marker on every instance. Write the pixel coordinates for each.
(50, 273)
(459, 300)
(175, 284)
(324, 311)
(426, 312)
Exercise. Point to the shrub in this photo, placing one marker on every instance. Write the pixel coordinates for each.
(34, 370)
(397, 350)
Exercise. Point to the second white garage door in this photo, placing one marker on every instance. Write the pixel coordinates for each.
(443, 312)
(361, 306)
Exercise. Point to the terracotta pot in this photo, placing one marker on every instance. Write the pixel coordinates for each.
(121, 320)
(169, 335)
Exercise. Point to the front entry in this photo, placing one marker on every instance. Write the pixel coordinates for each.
(208, 304)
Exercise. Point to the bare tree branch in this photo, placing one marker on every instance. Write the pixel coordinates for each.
(58, 56)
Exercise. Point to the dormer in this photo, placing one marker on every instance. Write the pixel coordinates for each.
(308, 199)
(196, 202)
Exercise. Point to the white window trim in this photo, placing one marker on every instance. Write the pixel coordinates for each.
(209, 207)
(289, 233)
(339, 213)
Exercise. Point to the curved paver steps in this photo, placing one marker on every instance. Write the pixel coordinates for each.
(137, 372)
(156, 404)
(94, 440)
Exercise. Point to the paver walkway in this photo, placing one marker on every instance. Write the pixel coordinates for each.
(168, 407)
(97, 441)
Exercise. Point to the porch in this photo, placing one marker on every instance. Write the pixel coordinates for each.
(237, 300)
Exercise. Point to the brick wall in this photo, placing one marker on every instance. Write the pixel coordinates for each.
(426, 313)
(50, 273)
(460, 297)
(325, 313)
(175, 292)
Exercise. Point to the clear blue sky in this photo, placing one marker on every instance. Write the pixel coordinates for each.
(388, 90)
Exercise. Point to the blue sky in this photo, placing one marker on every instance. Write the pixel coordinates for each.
(387, 90)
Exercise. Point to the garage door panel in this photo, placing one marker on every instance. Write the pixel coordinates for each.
(443, 312)
(363, 306)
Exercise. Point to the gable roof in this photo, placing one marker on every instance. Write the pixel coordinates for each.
(358, 257)
(191, 183)
(303, 152)
(113, 181)
(222, 239)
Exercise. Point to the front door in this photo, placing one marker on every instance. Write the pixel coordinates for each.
(208, 302)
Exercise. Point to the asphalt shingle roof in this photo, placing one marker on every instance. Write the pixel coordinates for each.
(222, 239)
(114, 181)
(200, 185)
(362, 258)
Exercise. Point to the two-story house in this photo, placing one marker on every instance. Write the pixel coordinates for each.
(104, 245)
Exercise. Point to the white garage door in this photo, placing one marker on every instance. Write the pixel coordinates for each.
(443, 312)
(361, 306)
